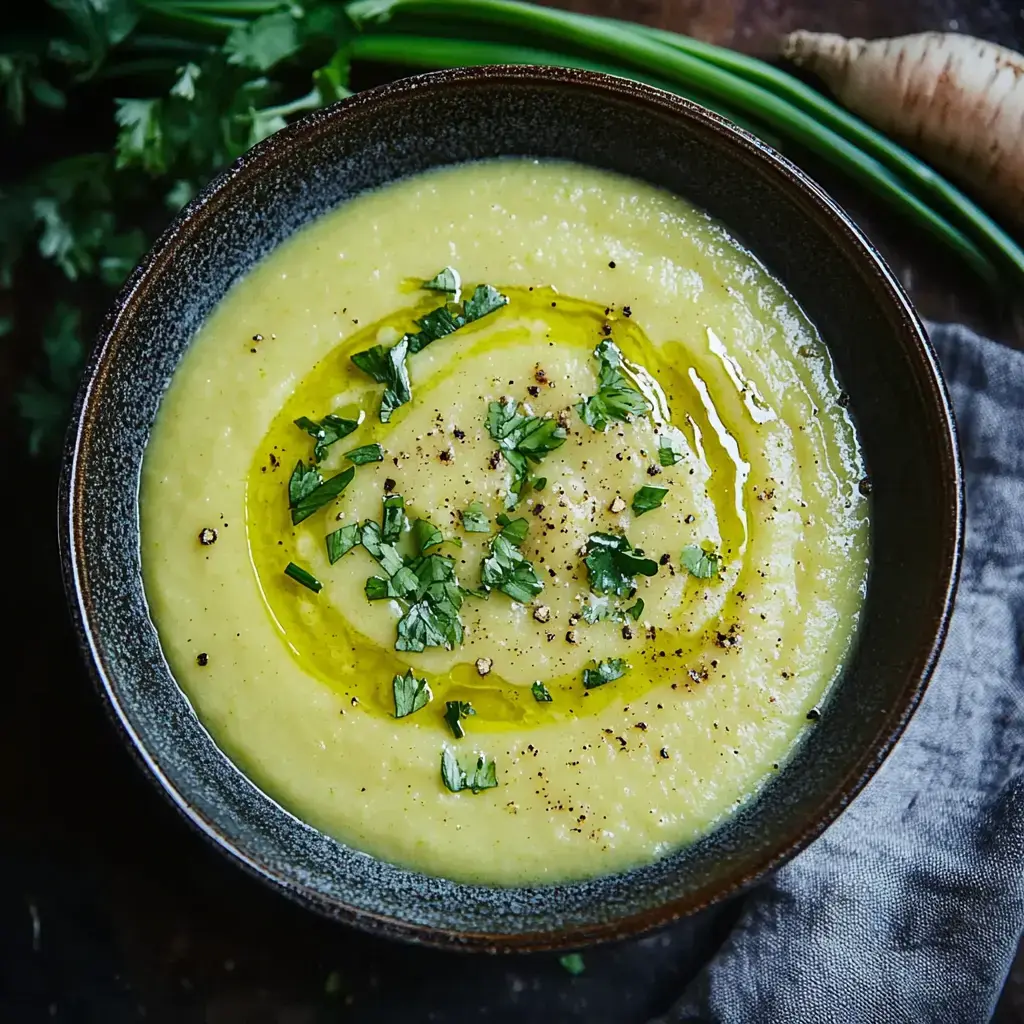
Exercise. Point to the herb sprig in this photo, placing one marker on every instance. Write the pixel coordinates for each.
(506, 568)
(616, 398)
(482, 775)
(522, 439)
(614, 564)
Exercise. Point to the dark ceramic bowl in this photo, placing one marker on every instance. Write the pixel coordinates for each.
(883, 359)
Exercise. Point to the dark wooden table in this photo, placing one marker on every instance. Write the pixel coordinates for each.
(112, 910)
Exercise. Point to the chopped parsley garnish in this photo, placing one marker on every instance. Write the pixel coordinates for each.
(616, 398)
(474, 520)
(394, 520)
(447, 281)
(485, 299)
(455, 711)
(540, 693)
(522, 440)
(604, 672)
(506, 568)
(648, 498)
(636, 610)
(309, 492)
(539, 483)
(388, 367)
(438, 323)
(411, 694)
(426, 535)
(366, 453)
(326, 432)
(483, 775)
(573, 963)
(613, 564)
(699, 562)
(307, 579)
(342, 541)
(671, 447)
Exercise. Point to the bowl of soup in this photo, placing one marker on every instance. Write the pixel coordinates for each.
(510, 509)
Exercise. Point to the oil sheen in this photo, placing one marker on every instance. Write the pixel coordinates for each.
(296, 686)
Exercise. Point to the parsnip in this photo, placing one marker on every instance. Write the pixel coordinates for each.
(958, 100)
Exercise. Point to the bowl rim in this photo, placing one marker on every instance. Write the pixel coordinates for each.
(813, 200)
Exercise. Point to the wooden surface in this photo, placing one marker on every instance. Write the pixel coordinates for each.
(112, 910)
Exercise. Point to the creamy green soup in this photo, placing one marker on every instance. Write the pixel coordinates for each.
(528, 569)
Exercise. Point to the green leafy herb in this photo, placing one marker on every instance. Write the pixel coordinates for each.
(447, 281)
(303, 481)
(394, 520)
(648, 498)
(540, 693)
(699, 562)
(573, 963)
(604, 672)
(474, 520)
(455, 711)
(616, 398)
(506, 568)
(318, 496)
(342, 541)
(485, 299)
(366, 453)
(300, 575)
(613, 564)
(388, 367)
(514, 530)
(539, 483)
(411, 694)
(671, 447)
(522, 440)
(425, 535)
(483, 774)
(636, 610)
(326, 432)
(438, 323)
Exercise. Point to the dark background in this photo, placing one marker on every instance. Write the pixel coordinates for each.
(112, 910)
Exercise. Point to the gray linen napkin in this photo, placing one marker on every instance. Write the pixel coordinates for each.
(910, 906)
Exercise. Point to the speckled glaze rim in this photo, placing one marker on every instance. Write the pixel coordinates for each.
(813, 202)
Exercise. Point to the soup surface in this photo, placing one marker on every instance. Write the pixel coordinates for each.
(565, 547)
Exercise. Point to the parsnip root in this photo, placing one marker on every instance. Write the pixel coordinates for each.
(957, 100)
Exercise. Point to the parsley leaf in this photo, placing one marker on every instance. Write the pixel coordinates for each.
(485, 299)
(455, 711)
(260, 44)
(447, 281)
(303, 481)
(613, 563)
(636, 610)
(438, 323)
(540, 693)
(598, 610)
(425, 535)
(140, 140)
(300, 575)
(388, 367)
(616, 398)
(648, 498)
(604, 672)
(700, 563)
(342, 541)
(522, 439)
(320, 495)
(506, 568)
(483, 775)
(539, 483)
(671, 447)
(394, 520)
(366, 453)
(474, 520)
(326, 432)
(411, 694)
